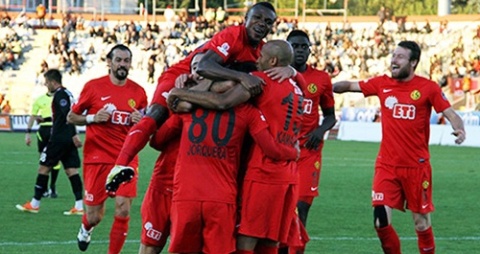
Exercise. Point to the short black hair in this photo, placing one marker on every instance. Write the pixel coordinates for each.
(53, 74)
(263, 4)
(415, 50)
(297, 32)
(120, 47)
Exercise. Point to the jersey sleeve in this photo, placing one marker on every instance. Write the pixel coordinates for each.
(169, 130)
(438, 99)
(62, 102)
(83, 101)
(36, 106)
(326, 98)
(257, 121)
(225, 43)
(370, 86)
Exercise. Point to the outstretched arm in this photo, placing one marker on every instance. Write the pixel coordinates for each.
(211, 67)
(346, 86)
(210, 100)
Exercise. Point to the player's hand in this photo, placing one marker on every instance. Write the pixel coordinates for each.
(136, 115)
(39, 119)
(181, 80)
(460, 134)
(28, 139)
(173, 100)
(253, 84)
(77, 141)
(101, 116)
(314, 139)
(280, 73)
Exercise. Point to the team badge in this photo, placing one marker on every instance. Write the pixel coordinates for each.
(425, 184)
(317, 165)
(131, 103)
(415, 95)
(312, 88)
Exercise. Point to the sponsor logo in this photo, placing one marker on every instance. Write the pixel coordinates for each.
(307, 106)
(387, 90)
(133, 132)
(151, 232)
(103, 98)
(224, 48)
(404, 111)
(5, 122)
(424, 206)
(377, 196)
(314, 188)
(88, 196)
(121, 117)
(415, 95)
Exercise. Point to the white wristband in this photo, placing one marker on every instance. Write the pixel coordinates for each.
(90, 118)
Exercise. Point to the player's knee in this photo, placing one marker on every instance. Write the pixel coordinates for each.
(380, 218)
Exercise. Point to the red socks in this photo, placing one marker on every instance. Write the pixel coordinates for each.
(118, 234)
(136, 140)
(85, 222)
(389, 239)
(426, 242)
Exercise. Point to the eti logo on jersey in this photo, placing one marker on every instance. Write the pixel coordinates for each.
(402, 111)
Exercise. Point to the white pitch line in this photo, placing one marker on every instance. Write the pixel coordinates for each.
(313, 238)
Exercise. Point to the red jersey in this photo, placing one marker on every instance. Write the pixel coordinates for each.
(282, 106)
(318, 92)
(231, 44)
(209, 155)
(406, 108)
(104, 141)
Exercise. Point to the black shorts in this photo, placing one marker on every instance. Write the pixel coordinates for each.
(43, 135)
(66, 152)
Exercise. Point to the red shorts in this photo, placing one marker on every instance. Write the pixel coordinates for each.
(297, 235)
(267, 210)
(202, 227)
(309, 168)
(94, 179)
(155, 214)
(403, 187)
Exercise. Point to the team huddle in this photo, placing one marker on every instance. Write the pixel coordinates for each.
(237, 124)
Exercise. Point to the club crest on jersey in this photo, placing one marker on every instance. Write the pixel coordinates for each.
(415, 95)
(224, 48)
(425, 184)
(132, 103)
(312, 88)
(317, 165)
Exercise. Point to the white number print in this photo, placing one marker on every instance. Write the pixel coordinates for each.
(308, 105)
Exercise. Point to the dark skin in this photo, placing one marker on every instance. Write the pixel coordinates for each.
(301, 50)
(258, 22)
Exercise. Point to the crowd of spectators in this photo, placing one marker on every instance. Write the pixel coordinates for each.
(344, 50)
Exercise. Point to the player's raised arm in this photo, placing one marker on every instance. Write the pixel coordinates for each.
(346, 86)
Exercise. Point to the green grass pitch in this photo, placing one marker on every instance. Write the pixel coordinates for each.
(340, 220)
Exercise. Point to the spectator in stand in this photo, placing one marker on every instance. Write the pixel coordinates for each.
(41, 13)
(6, 108)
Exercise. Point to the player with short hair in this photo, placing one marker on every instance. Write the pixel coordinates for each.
(42, 113)
(113, 104)
(318, 92)
(62, 147)
(403, 174)
(270, 186)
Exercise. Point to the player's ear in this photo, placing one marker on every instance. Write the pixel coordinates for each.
(273, 61)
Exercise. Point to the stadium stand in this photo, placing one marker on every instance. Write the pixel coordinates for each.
(347, 50)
